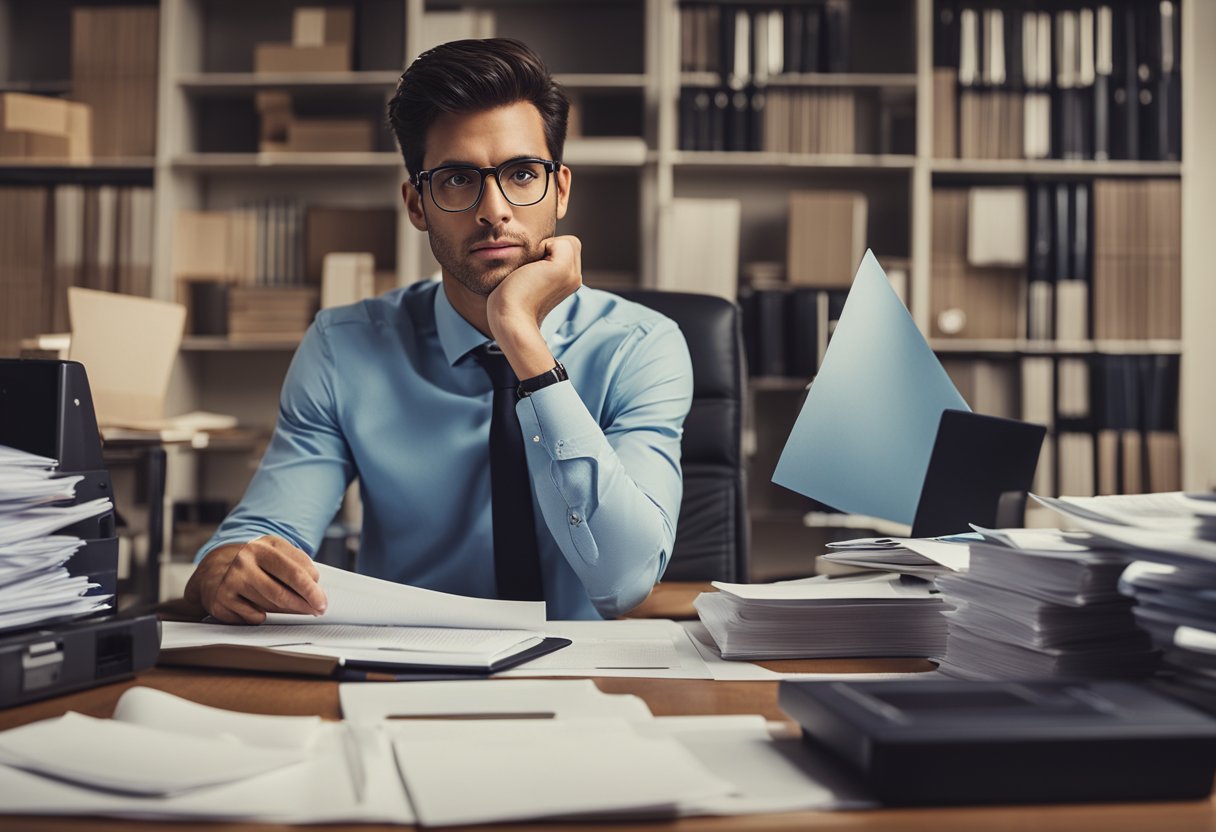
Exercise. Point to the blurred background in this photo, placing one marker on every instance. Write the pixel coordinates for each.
(1032, 176)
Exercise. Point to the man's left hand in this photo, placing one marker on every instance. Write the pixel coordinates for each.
(517, 306)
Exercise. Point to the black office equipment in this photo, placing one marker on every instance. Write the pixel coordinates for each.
(980, 471)
(46, 408)
(929, 741)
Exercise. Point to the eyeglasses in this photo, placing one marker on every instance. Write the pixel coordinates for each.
(456, 188)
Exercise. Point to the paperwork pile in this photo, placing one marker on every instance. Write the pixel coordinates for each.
(1040, 603)
(820, 617)
(474, 752)
(1172, 537)
(36, 586)
(920, 557)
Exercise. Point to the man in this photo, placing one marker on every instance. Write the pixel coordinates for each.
(419, 392)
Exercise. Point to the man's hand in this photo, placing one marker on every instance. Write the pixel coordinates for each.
(240, 583)
(523, 299)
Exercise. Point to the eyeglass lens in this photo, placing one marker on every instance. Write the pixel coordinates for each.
(457, 189)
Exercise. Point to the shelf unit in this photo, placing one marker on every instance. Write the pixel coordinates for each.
(626, 174)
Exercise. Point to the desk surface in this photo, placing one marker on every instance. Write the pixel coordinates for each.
(268, 694)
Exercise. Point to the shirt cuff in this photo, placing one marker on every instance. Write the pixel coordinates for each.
(556, 419)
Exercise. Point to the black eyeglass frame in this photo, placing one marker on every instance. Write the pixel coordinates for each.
(551, 166)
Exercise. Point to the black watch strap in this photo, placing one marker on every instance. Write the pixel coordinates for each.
(528, 386)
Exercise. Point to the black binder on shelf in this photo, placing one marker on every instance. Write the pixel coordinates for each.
(46, 408)
(979, 472)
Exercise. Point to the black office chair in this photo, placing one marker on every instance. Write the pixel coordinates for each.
(712, 532)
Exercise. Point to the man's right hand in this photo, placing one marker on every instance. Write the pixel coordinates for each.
(241, 582)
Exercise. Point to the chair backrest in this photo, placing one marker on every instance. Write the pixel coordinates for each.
(712, 532)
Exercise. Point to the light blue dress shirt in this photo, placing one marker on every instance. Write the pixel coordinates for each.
(386, 390)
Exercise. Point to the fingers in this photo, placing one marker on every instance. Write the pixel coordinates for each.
(265, 575)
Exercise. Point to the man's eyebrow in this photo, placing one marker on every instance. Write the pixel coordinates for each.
(468, 164)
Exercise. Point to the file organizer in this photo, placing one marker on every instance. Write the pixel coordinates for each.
(46, 408)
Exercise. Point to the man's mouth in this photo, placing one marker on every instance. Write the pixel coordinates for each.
(491, 250)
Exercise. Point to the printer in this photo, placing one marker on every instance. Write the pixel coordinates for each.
(46, 408)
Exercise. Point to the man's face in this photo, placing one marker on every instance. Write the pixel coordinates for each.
(481, 246)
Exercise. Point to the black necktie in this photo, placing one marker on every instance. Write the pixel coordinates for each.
(516, 562)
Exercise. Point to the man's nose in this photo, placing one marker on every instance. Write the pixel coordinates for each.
(493, 209)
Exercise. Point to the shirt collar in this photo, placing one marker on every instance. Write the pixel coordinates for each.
(458, 337)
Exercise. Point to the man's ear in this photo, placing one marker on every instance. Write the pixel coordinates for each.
(563, 177)
(413, 206)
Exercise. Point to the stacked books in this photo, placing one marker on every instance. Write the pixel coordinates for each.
(38, 584)
(821, 617)
(1041, 604)
(1173, 581)
(114, 71)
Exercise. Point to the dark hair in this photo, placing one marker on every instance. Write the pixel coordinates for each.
(466, 76)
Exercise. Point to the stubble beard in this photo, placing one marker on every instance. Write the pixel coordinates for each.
(483, 277)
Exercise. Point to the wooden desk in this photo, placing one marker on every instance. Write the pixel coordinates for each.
(274, 695)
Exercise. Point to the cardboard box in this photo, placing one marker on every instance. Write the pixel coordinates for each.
(40, 128)
(286, 57)
(260, 313)
(319, 25)
(331, 134)
(327, 229)
(22, 113)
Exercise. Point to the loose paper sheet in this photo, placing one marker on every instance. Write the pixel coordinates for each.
(863, 439)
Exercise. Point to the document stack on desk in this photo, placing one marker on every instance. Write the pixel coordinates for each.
(1041, 603)
(920, 557)
(820, 617)
(430, 753)
(36, 585)
(1172, 536)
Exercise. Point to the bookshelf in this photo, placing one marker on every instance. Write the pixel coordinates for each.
(629, 170)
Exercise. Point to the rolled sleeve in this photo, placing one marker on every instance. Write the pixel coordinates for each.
(610, 493)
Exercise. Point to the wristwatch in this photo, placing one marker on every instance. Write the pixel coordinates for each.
(530, 385)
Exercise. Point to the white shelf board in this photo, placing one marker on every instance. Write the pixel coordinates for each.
(624, 151)
(601, 80)
(252, 162)
(118, 163)
(688, 159)
(202, 83)
(221, 343)
(847, 80)
(1013, 346)
(1057, 167)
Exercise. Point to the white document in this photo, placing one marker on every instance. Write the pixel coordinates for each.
(359, 599)
(121, 757)
(42, 520)
(320, 786)
(956, 556)
(1193, 638)
(1172, 546)
(821, 589)
(559, 699)
(15, 458)
(494, 771)
(768, 773)
(153, 708)
(651, 648)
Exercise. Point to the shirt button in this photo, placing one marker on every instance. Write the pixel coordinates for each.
(575, 520)
(536, 438)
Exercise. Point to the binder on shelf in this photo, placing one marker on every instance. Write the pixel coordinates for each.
(980, 471)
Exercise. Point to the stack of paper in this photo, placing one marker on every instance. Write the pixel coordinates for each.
(478, 752)
(1172, 536)
(1038, 603)
(821, 617)
(35, 585)
(920, 557)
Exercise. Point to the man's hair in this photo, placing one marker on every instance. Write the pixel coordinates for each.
(468, 76)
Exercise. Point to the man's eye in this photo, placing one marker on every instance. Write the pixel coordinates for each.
(523, 177)
(457, 180)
